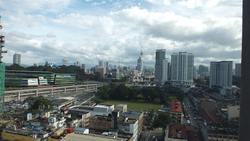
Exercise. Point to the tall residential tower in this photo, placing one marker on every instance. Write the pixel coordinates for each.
(161, 67)
(182, 68)
(221, 75)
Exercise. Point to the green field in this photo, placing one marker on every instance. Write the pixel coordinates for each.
(137, 106)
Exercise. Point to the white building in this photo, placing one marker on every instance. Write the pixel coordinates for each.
(102, 110)
(161, 67)
(221, 75)
(182, 68)
(130, 127)
(17, 59)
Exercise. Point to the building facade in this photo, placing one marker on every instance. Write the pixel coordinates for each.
(221, 75)
(182, 68)
(161, 67)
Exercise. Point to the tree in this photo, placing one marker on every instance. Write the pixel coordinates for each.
(161, 120)
(40, 104)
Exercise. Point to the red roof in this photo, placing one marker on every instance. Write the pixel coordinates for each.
(175, 106)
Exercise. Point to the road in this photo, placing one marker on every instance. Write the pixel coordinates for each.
(189, 112)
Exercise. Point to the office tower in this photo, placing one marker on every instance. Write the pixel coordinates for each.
(238, 69)
(221, 74)
(2, 70)
(17, 59)
(182, 68)
(139, 66)
(245, 77)
(203, 71)
(161, 67)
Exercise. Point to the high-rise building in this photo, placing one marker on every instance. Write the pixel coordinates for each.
(182, 68)
(203, 71)
(165, 70)
(17, 59)
(139, 66)
(161, 67)
(221, 74)
(238, 69)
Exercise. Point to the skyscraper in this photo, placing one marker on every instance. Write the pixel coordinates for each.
(221, 74)
(182, 66)
(238, 69)
(139, 66)
(161, 67)
(17, 59)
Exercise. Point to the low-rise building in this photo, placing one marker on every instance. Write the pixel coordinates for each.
(99, 122)
(129, 126)
(133, 115)
(233, 112)
(178, 132)
(103, 110)
(176, 111)
(122, 107)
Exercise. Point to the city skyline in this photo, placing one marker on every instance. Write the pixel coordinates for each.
(113, 30)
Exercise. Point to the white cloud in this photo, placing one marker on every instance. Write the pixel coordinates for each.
(116, 35)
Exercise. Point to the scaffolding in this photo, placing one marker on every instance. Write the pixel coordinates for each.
(2, 70)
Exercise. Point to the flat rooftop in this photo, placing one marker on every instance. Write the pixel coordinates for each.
(78, 137)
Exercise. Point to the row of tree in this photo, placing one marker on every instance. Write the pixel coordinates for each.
(149, 94)
(80, 73)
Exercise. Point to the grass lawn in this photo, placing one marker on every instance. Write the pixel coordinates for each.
(137, 106)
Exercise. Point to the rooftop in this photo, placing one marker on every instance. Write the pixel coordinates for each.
(76, 137)
(178, 131)
(103, 106)
(132, 114)
(175, 106)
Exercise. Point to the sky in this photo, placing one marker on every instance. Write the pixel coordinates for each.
(117, 30)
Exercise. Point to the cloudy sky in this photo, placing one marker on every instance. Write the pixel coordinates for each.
(116, 30)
